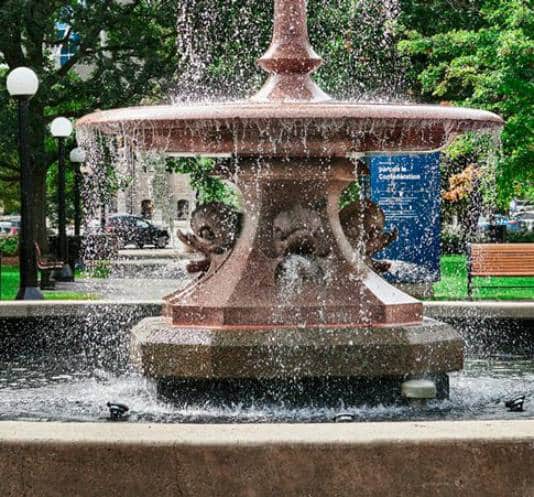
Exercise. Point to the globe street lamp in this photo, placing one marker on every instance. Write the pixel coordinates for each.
(22, 84)
(77, 156)
(61, 129)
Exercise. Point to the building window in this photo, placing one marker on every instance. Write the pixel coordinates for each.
(182, 211)
(147, 209)
(68, 49)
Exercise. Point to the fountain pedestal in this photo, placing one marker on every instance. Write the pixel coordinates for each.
(292, 264)
(167, 352)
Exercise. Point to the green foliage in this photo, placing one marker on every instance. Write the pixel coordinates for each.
(349, 195)
(124, 52)
(52, 195)
(473, 149)
(438, 16)
(488, 65)
(357, 40)
(9, 162)
(520, 237)
(100, 269)
(209, 188)
(9, 245)
(469, 52)
(452, 241)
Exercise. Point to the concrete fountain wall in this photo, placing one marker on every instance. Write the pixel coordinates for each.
(439, 459)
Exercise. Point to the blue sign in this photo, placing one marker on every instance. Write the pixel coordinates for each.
(407, 188)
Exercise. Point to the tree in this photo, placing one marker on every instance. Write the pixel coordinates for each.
(208, 187)
(488, 65)
(121, 53)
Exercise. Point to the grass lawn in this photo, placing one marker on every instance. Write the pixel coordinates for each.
(10, 286)
(453, 284)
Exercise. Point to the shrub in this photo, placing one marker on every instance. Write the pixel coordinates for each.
(100, 269)
(451, 240)
(520, 237)
(9, 246)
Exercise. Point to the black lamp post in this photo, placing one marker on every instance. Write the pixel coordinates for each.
(22, 84)
(77, 156)
(61, 129)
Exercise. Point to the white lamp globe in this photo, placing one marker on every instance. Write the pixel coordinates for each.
(22, 82)
(77, 155)
(61, 127)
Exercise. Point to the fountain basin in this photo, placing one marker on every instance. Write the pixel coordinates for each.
(304, 129)
(65, 368)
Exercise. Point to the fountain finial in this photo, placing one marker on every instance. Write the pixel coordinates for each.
(290, 59)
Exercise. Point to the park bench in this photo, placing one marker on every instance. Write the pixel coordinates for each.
(499, 260)
(47, 266)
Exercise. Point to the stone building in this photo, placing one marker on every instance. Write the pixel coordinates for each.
(171, 198)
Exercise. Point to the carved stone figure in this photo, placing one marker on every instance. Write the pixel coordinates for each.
(299, 231)
(215, 229)
(363, 224)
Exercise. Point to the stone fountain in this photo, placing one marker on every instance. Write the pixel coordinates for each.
(290, 293)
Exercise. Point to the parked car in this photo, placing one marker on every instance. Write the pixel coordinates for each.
(10, 227)
(485, 223)
(518, 206)
(5, 227)
(525, 220)
(136, 230)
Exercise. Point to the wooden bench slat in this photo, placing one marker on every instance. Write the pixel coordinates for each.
(515, 260)
(503, 249)
(480, 253)
(504, 260)
(498, 246)
(519, 267)
(501, 267)
(502, 254)
(502, 273)
(486, 269)
(497, 254)
(512, 260)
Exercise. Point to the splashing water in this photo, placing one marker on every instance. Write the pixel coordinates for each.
(219, 42)
(63, 392)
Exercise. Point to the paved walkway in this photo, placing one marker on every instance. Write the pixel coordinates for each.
(137, 275)
(131, 289)
(168, 253)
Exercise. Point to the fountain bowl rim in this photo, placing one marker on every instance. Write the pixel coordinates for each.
(186, 114)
